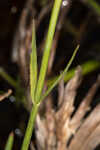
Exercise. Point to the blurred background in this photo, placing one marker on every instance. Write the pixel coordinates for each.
(78, 23)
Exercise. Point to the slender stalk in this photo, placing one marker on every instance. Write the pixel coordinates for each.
(10, 141)
(30, 127)
(47, 48)
(33, 65)
(8, 78)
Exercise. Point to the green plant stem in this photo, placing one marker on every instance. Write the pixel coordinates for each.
(42, 75)
(8, 78)
(33, 65)
(47, 48)
(10, 141)
(30, 127)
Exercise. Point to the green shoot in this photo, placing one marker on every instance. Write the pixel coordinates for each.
(47, 49)
(30, 127)
(8, 78)
(62, 74)
(42, 75)
(33, 65)
(10, 141)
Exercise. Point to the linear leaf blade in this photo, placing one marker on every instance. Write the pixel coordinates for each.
(33, 65)
(47, 48)
(10, 141)
(62, 74)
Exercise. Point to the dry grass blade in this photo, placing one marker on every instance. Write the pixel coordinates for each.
(86, 130)
(32, 146)
(5, 95)
(41, 133)
(45, 10)
(56, 128)
(84, 106)
(50, 125)
(93, 140)
(22, 40)
(60, 92)
(63, 130)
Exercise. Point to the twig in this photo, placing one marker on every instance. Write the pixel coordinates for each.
(45, 10)
(5, 95)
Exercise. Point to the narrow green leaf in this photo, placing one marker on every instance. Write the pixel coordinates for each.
(87, 67)
(62, 74)
(33, 65)
(47, 48)
(10, 141)
(8, 78)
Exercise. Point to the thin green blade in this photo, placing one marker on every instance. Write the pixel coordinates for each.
(87, 68)
(10, 141)
(62, 74)
(33, 65)
(47, 48)
(8, 78)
